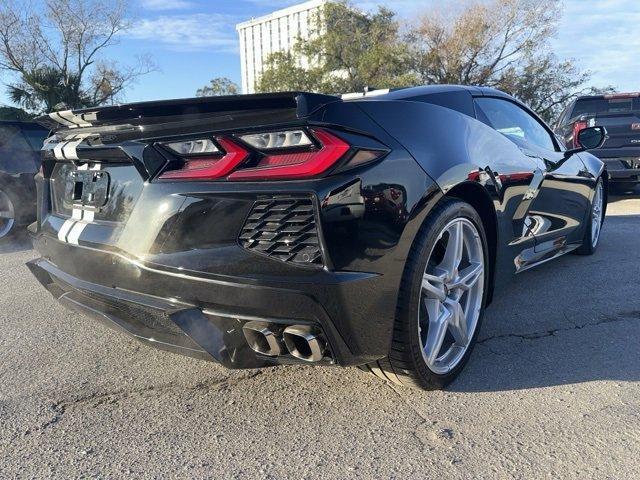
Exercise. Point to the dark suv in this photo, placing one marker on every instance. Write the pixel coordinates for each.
(20, 144)
(620, 114)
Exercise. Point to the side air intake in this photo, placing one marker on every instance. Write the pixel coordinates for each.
(284, 229)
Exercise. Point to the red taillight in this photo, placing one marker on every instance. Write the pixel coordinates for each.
(280, 155)
(297, 164)
(210, 166)
(576, 129)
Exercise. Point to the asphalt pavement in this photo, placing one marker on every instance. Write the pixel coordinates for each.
(552, 391)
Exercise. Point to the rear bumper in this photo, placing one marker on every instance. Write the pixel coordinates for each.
(623, 169)
(203, 317)
(624, 176)
(148, 319)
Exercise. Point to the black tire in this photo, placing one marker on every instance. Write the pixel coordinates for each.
(405, 364)
(587, 247)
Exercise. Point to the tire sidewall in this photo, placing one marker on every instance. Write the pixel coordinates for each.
(587, 247)
(427, 239)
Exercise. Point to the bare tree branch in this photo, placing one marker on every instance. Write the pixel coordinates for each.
(57, 51)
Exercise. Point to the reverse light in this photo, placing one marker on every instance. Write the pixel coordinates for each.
(202, 146)
(579, 125)
(299, 164)
(211, 164)
(276, 140)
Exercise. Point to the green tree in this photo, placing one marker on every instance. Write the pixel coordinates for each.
(13, 113)
(546, 85)
(502, 44)
(218, 86)
(53, 52)
(497, 43)
(43, 88)
(354, 51)
(284, 73)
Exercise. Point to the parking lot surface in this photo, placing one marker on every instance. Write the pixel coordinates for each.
(552, 390)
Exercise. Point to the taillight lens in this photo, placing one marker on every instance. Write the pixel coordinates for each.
(576, 129)
(212, 165)
(202, 146)
(298, 164)
(280, 155)
(278, 140)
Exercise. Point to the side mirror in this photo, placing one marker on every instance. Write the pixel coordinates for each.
(588, 139)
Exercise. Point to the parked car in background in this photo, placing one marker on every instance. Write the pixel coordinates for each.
(620, 114)
(20, 144)
(270, 229)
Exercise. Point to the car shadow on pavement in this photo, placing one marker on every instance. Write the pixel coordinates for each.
(570, 321)
(17, 242)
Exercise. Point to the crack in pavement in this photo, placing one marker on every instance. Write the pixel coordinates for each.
(622, 317)
(60, 408)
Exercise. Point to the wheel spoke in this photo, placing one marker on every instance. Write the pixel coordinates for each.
(458, 323)
(433, 286)
(468, 277)
(6, 214)
(433, 307)
(454, 248)
(435, 335)
(596, 214)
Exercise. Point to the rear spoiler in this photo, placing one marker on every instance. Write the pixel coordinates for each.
(155, 112)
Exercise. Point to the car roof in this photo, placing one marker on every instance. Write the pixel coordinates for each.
(412, 92)
(415, 92)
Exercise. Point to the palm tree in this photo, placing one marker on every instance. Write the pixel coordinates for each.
(46, 88)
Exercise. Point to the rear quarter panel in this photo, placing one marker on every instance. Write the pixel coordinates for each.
(454, 149)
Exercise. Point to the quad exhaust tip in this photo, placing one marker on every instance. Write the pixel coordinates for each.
(304, 342)
(262, 339)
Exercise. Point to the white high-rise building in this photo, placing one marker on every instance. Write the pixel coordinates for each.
(271, 33)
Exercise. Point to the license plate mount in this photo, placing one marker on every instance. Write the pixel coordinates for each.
(89, 188)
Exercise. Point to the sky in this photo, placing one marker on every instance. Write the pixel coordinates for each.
(192, 41)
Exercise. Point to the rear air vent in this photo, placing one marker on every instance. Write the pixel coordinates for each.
(284, 229)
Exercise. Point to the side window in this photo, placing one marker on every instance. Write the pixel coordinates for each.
(515, 123)
(35, 137)
(564, 116)
(459, 101)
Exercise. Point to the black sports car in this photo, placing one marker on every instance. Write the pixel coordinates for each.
(20, 144)
(288, 228)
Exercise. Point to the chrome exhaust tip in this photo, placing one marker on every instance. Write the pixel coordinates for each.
(262, 339)
(304, 342)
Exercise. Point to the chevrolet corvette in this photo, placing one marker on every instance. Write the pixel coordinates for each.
(366, 230)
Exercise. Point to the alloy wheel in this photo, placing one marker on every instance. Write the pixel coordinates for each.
(7, 214)
(596, 214)
(451, 295)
